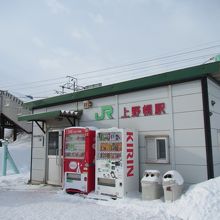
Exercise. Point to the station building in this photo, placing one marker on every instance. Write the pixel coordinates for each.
(176, 114)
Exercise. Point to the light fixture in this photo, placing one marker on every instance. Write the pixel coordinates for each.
(212, 102)
(87, 104)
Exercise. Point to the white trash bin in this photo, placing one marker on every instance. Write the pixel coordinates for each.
(151, 185)
(172, 185)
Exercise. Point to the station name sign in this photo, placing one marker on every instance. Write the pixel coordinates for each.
(133, 111)
(145, 110)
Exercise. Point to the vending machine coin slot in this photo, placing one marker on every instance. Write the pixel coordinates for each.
(106, 182)
(73, 176)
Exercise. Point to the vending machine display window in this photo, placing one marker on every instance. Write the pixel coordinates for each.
(109, 146)
(75, 146)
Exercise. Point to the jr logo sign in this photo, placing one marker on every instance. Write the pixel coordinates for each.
(106, 112)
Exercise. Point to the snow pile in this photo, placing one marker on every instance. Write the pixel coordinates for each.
(173, 176)
(201, 201)
(151, 176)
(20, 200)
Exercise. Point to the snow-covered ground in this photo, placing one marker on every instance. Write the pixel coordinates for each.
(19, 200)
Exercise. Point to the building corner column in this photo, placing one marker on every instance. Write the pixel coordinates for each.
(207, 128)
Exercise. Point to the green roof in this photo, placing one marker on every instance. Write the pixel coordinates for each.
(187, 74)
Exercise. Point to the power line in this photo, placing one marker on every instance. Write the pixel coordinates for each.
(152, 65)
(33, 87)
(71, 84)
(115, 69)
(121, 72)
(121, 66)
(33, 82)
(149, 60)
(149, 67)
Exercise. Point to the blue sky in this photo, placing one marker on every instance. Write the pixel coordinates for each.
(50, 39)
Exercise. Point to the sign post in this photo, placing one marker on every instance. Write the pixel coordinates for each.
(6, 156)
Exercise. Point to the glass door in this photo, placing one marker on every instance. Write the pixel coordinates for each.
(54, 157)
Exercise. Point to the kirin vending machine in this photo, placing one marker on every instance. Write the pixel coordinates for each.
(79, 160)
(117, 171)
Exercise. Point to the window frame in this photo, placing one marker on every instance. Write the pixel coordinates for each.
(19, 110)
(53, 151)
(7, 102)
(156, 153)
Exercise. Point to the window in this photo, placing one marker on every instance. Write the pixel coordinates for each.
(53, 143)
(218, 137)
(19, 110)
(6, 102)
(161, 149)
(157, 149)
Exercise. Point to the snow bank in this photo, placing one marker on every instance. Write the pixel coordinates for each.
(201, 201)
(20, 200)
(20, 151)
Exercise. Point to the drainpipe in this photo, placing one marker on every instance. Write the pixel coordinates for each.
(32, 142)
(207, 127)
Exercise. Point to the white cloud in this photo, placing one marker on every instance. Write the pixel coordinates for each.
(62, 52)
(80, 34)
(97, 18)
(38, 42)
(50, 64)
(76, 34)
(56, 7)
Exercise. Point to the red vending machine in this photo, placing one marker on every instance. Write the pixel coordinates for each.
(79, 160)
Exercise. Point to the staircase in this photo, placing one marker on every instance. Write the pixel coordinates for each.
(10, 108)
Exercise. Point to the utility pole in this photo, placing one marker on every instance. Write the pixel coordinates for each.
(71, 84)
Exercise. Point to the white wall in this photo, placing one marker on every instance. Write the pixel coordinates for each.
(189, 134)
(147, 125)
(38, 155)
(182, 122)
(214, 95)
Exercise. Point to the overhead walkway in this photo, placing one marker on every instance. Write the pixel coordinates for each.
(10, 108)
